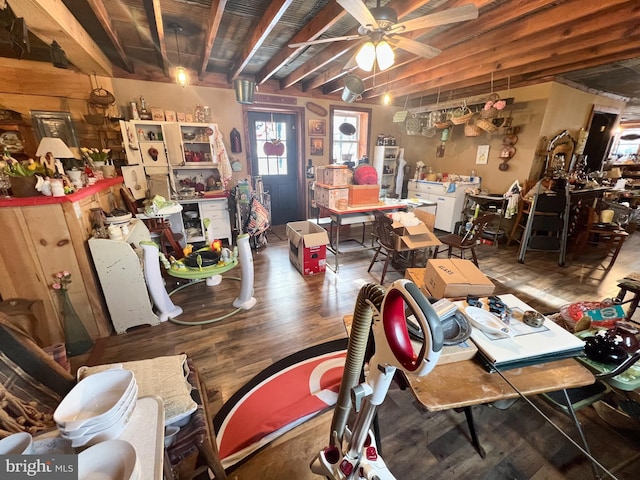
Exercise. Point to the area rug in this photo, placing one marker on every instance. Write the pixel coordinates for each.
(279, 398)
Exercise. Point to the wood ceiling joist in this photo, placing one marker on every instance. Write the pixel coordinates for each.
(51, 20)
(324, 20)
(591, 55)
(156, 27)
(335, 51)
(488, 21)
(544, 35)
(271, 17)
(105, 20)
(213, 25)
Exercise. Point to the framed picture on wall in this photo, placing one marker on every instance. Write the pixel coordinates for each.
(180, 116)
(317, 146)
(55, 124)
(317, 127)
(482, 155)
(170, 115)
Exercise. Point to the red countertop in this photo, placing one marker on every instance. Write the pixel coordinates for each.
(72, 197)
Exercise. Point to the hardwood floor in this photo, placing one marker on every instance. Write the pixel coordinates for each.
(294, 312)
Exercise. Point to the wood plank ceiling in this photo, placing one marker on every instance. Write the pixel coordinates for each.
(591, 43)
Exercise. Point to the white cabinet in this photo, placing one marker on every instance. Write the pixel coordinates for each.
(385, 161)
(203, 219)
(184, 152)
(119, 267)
(145, 144)
(449, 197)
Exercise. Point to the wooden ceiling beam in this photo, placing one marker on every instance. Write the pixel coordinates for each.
(336, 50)
(213, 25)
(538, 45)
(546, 67)
(540, 30)
(271, 17)
(105, 20)
(325, 19)
(156, 28)
(51, 20)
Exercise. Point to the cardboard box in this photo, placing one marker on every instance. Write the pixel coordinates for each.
(363, 195)
(329, 197)
(337, 176)
(412, 238)
(455, 278)
(307, 247)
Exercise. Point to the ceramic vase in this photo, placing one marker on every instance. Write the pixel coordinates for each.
(76, 337)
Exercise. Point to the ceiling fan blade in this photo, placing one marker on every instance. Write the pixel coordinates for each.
(324, 40)
(358, 10)
(414, 47)
(351, 63)
(452, 15)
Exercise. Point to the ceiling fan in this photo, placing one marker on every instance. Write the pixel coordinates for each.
(379, 30)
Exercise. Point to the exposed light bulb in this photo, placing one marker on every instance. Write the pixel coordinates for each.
(366, 56)
(182, 78)
(384, 55)
(386, 99)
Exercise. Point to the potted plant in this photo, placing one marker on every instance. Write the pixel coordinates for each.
(97, 157)
(23, 175)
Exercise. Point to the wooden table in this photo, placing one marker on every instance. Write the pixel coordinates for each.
(465, 383)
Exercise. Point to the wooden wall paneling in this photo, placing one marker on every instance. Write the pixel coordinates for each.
(78, 221)
(25, 277)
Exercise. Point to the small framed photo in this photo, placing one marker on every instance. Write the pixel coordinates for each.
(317, 127)
(482, 155)
(157, 114)
(188, 117)
(170, 115)
(317, 146)
(180, 116)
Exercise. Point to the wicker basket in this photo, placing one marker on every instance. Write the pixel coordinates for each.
(461, 116)
(491, 112)
(442, 125)
(486, 125)
(471, 130)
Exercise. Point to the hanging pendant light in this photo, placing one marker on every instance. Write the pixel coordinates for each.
(182, 77)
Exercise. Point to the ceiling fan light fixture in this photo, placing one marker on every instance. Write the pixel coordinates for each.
(384, 55)
(366, 56)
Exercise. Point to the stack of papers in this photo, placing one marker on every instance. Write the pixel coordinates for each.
(527, 345)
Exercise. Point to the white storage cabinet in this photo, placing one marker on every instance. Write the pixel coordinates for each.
(385, 161)
(449, 203)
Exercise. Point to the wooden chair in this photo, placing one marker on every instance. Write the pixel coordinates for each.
(468, 240)
(159, 226)
(608, 239)
(383, 233)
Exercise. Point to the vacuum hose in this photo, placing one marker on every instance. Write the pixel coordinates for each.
(369, 297)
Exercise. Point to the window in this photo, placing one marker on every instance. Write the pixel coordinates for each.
(350, 131)
(275, 134)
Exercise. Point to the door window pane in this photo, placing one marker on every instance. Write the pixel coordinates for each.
(271, 138)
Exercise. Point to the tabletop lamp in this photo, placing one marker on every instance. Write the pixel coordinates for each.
(50, 150)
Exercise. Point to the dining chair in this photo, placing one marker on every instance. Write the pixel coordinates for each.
(608, 238)
(468, 241)
(384, 237)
